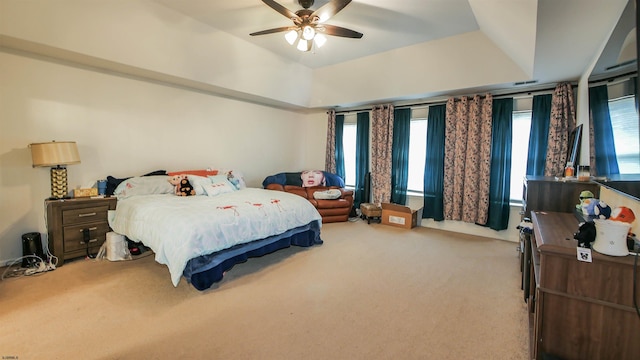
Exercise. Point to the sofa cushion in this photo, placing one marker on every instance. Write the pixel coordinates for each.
(330, 194)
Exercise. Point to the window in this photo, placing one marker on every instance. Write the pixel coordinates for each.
(626, 137)
(417, 154)
(520, 131)
(349, 146)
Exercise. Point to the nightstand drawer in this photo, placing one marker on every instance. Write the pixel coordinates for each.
(74, 236)
(84, 215)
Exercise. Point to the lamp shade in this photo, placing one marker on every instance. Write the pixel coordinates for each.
(54, 153)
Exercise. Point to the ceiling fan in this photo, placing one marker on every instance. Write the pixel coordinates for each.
(308, 25)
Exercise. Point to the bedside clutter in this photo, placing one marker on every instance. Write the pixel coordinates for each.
(324, 190)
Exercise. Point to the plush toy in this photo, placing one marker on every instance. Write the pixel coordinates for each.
(586, 234)
(623, 214)
(584, 196)
(183, 186)
(596, 207)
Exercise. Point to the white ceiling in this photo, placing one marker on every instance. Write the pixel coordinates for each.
(386, 24)
(531, 32)
(431, 48)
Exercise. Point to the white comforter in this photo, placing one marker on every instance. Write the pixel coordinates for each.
(180, 228)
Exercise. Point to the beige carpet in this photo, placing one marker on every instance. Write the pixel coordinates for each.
(370, 292)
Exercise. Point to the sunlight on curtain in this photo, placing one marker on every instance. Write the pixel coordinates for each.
(467, 159)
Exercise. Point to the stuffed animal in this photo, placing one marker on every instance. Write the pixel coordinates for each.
(586, 234)
(623, 214)
(596, 207)
(183, 186)
(584, 196)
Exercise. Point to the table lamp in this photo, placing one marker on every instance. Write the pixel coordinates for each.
(56, 154)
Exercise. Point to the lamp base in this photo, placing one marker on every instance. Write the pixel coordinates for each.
(59, 182)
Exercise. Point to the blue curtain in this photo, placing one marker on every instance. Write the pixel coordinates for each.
(339, 146)
(605, 152)
(362, 158)
(434, 164)
(500, 180)
(538, 137)
(400, 155)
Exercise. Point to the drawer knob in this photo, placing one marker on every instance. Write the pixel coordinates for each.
(89, 229)
(90, 241)
(87, 214)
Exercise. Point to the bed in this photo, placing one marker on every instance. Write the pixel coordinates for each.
(200, 237)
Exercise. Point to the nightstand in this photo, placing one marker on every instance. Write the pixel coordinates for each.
(77, 227)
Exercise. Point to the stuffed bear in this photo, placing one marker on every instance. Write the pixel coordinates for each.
(183, 186)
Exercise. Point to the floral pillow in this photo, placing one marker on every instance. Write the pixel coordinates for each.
(219, 184)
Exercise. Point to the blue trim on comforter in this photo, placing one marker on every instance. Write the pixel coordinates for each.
(204, 271)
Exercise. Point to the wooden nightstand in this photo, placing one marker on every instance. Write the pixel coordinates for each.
(77, 226)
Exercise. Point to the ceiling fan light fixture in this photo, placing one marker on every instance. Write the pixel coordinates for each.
(302, 45)
(308, 32)
(320, 40)
(291, 37)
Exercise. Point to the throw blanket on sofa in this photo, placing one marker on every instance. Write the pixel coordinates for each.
(294, 178)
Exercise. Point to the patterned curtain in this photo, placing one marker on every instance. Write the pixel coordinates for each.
(467, 159)
(330, 156)
(563, 120)
(381, 142)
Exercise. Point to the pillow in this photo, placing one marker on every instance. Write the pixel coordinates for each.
(293, 178)
(144, 185)
(219, 184)
(199, 183)
(205, 172)
(236, 179)
(112, 182)
(312, 178)
(330, 194)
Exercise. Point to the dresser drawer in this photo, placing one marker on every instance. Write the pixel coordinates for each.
(74, 236)
(85, 215)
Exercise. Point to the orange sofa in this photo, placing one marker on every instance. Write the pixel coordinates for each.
(331, 210)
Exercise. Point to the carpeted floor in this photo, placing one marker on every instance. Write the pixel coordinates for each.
(369, 292)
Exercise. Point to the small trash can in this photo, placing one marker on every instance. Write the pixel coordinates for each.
(31, 245)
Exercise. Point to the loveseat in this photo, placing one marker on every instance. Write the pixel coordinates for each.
(323, 189)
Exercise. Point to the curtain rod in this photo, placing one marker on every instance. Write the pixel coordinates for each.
(440, 102)
(621, 77)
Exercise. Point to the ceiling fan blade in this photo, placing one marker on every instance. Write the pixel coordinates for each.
(329, 9)
(340, 31)
(281, 9)
(271, 31)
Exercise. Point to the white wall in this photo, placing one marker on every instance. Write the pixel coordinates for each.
(125, 127)
(147, 35)
(511, 233)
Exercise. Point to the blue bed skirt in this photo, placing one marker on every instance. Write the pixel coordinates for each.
(206, 270)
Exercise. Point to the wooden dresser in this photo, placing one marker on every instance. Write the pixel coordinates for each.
(77, 227)
(579, 310)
